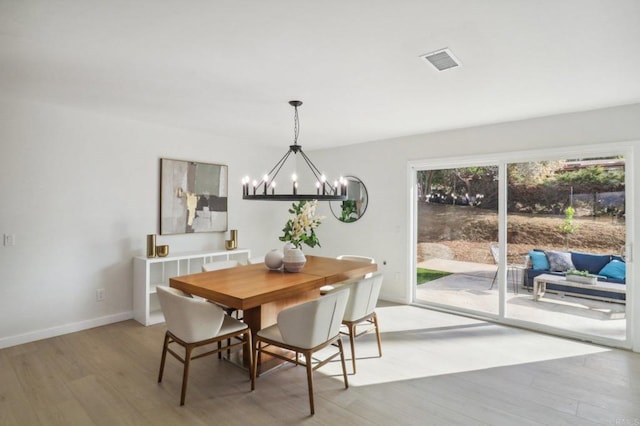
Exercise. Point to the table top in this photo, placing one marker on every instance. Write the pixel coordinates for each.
(599, 285)
(248, 286)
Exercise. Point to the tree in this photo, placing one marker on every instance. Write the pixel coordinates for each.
(533, 172)
(568, 227)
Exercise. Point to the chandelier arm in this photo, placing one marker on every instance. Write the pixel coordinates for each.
(278, 165)
(315, 170)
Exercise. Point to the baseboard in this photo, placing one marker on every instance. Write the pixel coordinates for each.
(46, 333)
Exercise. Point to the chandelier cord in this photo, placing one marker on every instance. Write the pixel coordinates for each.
(296, 127)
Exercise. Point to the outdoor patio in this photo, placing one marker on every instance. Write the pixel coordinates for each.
(469, 284)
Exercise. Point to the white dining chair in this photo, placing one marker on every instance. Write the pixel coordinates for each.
(358, 258)
(219, 264)
(360, 310)
(327, 288)
(255, 260)
(192, 323)
(216, 266)
(305, 329)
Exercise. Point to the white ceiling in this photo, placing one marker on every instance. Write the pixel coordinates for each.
(229, 66)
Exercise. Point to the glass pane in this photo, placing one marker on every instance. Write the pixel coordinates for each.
(457, 224)
(568, 216)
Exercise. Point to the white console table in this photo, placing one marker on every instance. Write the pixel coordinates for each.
(151, 272)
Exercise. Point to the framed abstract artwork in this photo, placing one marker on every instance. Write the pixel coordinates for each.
(193, 197)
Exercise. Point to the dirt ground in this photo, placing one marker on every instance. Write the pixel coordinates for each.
(465, 233)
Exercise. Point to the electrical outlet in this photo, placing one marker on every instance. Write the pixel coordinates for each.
(9, 240)
(100, 295)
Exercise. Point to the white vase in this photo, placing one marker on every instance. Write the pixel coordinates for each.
(273, 259)
(294, 260)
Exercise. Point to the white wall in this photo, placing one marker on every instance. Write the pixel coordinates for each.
(80, 192)
(383, 232)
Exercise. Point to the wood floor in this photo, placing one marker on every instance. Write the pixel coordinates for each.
(436, 369)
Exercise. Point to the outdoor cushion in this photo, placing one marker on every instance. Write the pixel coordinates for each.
(559, 261)
(539, 260)
(614, 269)
(589, 262)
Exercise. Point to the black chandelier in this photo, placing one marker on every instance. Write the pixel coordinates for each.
(265, 189)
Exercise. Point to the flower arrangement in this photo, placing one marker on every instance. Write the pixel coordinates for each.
(301, 228)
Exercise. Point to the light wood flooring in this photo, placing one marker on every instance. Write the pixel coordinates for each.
(436, 369)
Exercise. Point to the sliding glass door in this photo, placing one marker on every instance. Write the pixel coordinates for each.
(488, 236)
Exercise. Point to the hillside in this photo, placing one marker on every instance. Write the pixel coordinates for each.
(464, 233)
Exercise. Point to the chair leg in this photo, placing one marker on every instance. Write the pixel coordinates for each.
(254, 363)
(308, 360)
(352, 336)
(248, 349)
(344, 365)
(185, 373)
(494, 279)
(164, 356)
(375, 324)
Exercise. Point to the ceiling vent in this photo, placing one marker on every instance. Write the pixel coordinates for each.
(442, 59)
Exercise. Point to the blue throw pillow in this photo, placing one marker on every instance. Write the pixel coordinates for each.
(539, 260)
(614, 269)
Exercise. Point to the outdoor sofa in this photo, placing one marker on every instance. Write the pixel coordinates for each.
(608, 267)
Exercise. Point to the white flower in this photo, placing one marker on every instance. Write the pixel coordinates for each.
(300, 229)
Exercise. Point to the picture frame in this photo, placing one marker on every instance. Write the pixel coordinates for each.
(193, 197)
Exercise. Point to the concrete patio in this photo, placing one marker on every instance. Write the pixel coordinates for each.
(469, 284)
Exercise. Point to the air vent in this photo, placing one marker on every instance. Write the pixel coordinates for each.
(442, 59)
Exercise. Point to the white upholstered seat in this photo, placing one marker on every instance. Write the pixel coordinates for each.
(305, 328)
(192, 323)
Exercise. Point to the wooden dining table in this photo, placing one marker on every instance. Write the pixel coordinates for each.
(261, 293)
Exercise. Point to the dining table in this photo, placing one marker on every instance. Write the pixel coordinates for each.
(261, 293)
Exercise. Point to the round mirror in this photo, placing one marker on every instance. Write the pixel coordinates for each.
(355, 205)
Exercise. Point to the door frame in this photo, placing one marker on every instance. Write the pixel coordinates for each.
(501, 160)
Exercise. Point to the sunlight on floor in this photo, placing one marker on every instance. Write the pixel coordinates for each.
(429, 343)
